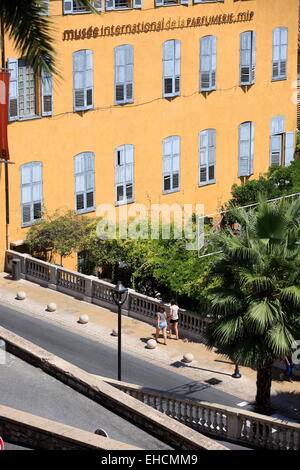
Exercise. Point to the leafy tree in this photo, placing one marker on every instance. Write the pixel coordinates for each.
(62, 234)
(255, 304)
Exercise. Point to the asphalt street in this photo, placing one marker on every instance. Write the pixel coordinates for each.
(29, 389)
(100, 359)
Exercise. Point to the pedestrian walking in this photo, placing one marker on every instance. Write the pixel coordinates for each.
(161, 323)
(289, 368)
(173, 322)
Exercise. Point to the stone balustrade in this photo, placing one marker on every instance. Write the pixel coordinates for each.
(221, 422)
(92, 289)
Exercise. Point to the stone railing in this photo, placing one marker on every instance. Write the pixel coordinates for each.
(92, 289)
(249, 429)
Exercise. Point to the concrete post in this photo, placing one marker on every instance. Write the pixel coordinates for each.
(233, 426)
(88, 291)
(53, 278)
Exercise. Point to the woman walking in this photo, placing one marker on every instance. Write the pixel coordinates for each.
(289, 369)
(173, 319)
(161, 323)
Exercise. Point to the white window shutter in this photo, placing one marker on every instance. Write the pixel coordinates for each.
(244, 149)
(31, 192)
(68, 6)
(289, 148)
(98, 5)
(89, 80)
(277, 125)
(208, 54)
(275, 149)
(109, 4)
(12, 65)
(159, 3)
(251, 162)
(245, 58)
(253, 56)
(184, 2)
(279, 61)
(45, 4)
(83, 80)
(137, 3)
(46, 88)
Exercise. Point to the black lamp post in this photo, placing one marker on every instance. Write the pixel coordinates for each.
(119, 294)
(236, 374)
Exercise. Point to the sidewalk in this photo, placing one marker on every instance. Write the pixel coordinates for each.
(205, 366)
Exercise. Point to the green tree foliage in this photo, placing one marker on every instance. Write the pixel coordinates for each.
(255, 304)
(61, 234)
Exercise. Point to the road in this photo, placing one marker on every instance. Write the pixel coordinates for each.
(101, 359)
(29, 389)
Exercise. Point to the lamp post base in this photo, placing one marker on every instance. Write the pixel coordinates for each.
(236, 374)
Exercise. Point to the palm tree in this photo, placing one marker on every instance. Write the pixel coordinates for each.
(255, 304)
(32, 31)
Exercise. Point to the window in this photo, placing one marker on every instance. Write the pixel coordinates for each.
(122, 4)
(282, 144)
(247, 57)
(24, 88)
(164, 3)
(45, 5)
(171, 164)
(83, 80)
(73, 7)
(246, 148)
(208, 54)
(31, 192)
(208, 1)
(124, 74)
(207, 157)
(84, 182)
(171, 68)
(280, 44)
(124, 176)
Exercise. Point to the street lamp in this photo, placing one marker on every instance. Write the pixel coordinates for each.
(119, 294)
(236, 374)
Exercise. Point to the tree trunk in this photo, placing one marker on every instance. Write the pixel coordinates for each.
(263, 390)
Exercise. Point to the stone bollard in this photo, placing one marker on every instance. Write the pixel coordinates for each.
(83, 319)
(151, 344)
(188, 357)
(51, 307)
(114, 332)
(21, 295)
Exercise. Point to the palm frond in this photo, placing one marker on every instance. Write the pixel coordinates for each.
(262, 315)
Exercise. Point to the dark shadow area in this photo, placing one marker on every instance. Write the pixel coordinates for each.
(206, 93)
(246, 88)
(188, 388)
(224, 362)
(287, 404)
(182, 364)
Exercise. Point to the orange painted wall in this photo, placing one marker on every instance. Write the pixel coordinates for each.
(56, 140)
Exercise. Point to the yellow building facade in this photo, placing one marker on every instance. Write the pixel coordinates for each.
(161, 101)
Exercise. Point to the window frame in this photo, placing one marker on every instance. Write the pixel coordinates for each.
(252, 65)
(280, 76)
(212, 58)
(32, 220)
(250, 156)
(210, 132)
(85, 173)
(174, 77)
(86, 88)
(125, 148)
(128, 51)
(171, 173)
